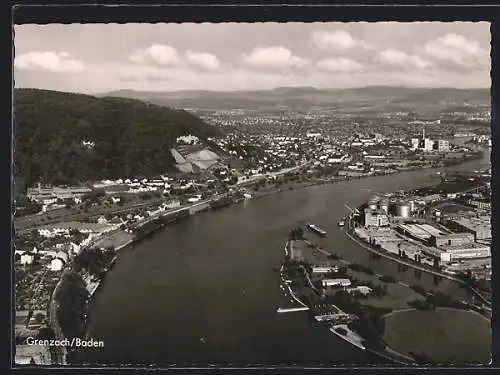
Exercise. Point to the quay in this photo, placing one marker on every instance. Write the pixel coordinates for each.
(291, 309)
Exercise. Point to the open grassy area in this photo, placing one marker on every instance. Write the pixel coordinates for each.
(397, 297)
(446, 336)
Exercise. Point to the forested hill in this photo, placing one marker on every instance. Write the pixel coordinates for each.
(66, 138)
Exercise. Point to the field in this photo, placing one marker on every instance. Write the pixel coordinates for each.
(446, 336)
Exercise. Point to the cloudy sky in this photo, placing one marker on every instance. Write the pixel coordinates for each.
(95, 58)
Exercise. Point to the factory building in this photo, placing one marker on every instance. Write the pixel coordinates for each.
(421, 232)
(459, 252)
(452, 239)
(482, 205)
(51, 194)
(376, 218)
(468, 251)
(481, 229)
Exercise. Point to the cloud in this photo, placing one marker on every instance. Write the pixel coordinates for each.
(156, 54)
(205, 60)
(56, 62)
(340, 65)
(402, 59)
(337, 40)
(459, 50)
(274, 57)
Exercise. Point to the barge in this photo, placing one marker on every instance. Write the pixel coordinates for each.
(316, 229)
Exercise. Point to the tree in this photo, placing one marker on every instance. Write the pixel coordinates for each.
(129, 137)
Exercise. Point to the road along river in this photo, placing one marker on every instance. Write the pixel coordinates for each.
(204, 291)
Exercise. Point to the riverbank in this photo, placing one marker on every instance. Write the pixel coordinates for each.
(341, 330)
(294, 185)
(118, 241)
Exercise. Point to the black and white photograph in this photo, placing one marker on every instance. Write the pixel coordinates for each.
(252, 194)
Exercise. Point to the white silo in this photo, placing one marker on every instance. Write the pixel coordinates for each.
(384, 205)
(412, 206)
(403, 210)
(373, 202)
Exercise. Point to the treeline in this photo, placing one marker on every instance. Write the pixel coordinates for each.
(370, 322)
(438, 299)
(126, 137)
(93, 260)
(71, 299)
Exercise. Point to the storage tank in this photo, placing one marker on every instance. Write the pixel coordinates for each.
(412, 206)
(373, 202)
(384, 205)
(403, 210)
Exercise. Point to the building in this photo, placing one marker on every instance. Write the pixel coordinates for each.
(419, 232)
(115, 199)
(172, 204)
(102, 220)
(459, 252)
(482, 205)
(428, 144)
(335, 159)
(376, 218)
(481, 229)
(415, 143)
(443, 145)
(365, 290)
(452, 239)
(41, 194)
(53, 230)
(56, 264)
(468, 251)
(27, 258)
(336, 282)
(325, 269)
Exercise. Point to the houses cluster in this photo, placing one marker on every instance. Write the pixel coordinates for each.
(135, 185)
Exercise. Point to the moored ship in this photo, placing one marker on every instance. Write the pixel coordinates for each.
(316, 229)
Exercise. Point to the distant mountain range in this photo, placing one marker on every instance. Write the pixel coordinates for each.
(66, 138)
(376, 98)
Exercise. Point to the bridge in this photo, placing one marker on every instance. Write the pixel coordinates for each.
(291, 309)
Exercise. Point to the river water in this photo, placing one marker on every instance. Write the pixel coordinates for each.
(204, 291)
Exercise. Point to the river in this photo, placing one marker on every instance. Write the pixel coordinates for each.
(204, 291)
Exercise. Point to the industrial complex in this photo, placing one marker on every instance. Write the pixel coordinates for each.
(421, 228)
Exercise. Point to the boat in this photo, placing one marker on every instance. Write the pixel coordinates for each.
(316, 229)
(341, 223)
